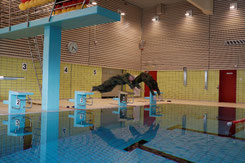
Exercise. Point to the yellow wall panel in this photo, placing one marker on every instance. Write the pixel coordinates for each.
(65, 80)
(171, 84)
(83, 78)
(78, 77)
(240, 93)
(13, 67)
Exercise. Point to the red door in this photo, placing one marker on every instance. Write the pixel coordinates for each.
(227, 86)
(147, 90)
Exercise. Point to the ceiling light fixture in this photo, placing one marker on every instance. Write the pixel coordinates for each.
(233, 6)
(121, 12)
(188, 13)
(93, 2)
(155, 18)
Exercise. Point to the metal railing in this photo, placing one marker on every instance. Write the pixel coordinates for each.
(10, 14)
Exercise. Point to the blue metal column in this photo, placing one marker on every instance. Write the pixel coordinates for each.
(51, 68)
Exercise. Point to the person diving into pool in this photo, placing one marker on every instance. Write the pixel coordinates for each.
(148, 80)
(112, 82)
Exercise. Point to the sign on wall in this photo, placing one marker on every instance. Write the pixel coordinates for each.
(95, 71)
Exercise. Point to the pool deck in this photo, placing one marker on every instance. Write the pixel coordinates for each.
(110, 103)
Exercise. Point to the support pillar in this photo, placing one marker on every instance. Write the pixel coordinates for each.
(51, 68)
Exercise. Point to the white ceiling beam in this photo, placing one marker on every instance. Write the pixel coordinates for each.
(206, 6)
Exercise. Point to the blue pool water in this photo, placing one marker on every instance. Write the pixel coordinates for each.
(179, 132)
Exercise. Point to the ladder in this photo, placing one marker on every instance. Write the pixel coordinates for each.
(36, 58)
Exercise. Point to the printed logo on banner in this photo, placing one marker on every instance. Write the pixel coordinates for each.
(24, 66)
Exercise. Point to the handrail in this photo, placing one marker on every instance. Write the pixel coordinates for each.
(10, 4)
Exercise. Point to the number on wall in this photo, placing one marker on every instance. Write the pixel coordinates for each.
(95, 72)
(24, 66)
(65, 69)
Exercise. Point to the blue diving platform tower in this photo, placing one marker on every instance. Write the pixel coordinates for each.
(52, 43)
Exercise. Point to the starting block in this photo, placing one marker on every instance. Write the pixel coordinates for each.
(17, 102)
(82, 118)
(153, 98)
(154, 111)
(17, 125)
(81, 99)
(123, 98)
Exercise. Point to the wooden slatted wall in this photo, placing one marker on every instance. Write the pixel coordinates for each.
(227, 24)
(196, 42)
(112, 45)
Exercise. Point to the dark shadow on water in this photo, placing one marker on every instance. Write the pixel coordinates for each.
(106, 135)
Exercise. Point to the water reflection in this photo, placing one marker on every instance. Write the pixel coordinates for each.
(184, 130)
(17, 125)
(124, 113)
(151, 112)
(49, 136)
(107, 135)
(225, 115)
(154, 111)
(82, 118)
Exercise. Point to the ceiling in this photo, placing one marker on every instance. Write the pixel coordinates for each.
(151, 3)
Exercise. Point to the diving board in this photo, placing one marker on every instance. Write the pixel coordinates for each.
(52, 43)
(10, 78)
(70, 20)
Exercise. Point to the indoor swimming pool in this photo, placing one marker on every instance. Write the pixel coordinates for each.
(163, 133)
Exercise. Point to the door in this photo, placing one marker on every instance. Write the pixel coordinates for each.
(147, 90)
(227, 86)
